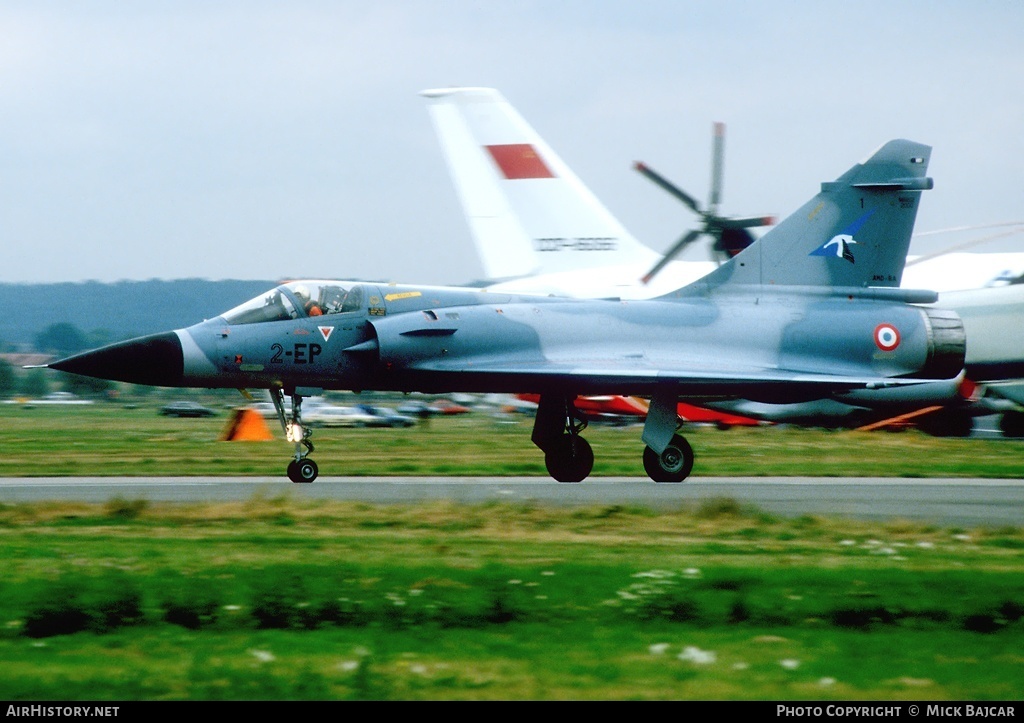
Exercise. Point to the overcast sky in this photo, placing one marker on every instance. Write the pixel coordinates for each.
(284, 139)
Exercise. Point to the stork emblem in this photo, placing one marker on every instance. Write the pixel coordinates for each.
(842, 242)
(839, 245)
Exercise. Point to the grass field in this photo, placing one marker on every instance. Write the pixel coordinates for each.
(279, 599)
(106, 439)
(274, 599)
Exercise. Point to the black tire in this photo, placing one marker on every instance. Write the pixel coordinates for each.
(570, 460)
(947, 423)
(672, 465)
(1012, 424)
(302, 471)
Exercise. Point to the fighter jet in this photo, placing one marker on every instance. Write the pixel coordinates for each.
(779, 322)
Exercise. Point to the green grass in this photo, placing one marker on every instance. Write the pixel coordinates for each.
(278, 599)
(275, 598)
(106, 439)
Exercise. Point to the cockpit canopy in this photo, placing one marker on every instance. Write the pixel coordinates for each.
(297, 300)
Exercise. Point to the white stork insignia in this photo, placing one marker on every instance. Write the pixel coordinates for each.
(842, 241)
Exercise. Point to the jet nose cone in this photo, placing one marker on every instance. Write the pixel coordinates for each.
(154, 360)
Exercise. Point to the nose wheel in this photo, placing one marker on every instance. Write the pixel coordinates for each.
(301, 469)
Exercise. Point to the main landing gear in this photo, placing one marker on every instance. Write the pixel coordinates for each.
(568, 457)
(301, 469)
(556, 430)
(673, 464)
(668, 456)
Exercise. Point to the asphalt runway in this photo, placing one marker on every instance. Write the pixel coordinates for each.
(945, 502)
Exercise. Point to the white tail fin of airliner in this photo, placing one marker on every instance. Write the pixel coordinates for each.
(528, 212)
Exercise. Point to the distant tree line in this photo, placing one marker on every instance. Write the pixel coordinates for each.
(123, 309)
(68, 318)
(61, 340)
(8, 379)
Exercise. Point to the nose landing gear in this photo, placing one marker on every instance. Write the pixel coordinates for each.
(301, 469)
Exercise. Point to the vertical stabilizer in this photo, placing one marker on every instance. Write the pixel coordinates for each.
(527, 211)
(854, 233)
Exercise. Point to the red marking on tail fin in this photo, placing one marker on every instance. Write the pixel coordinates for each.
(519, 160)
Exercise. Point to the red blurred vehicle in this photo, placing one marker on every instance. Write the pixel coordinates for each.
(446, 406)
(616, 405)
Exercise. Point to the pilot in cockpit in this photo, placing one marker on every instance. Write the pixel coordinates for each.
(309, 305)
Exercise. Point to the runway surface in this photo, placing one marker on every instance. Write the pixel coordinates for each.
(947, 502)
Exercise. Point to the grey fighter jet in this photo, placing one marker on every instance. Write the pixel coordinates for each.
(812, 310)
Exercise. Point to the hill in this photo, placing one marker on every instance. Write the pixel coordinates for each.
(122, 309)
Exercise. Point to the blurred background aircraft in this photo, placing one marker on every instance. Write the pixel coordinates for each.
(537, 227)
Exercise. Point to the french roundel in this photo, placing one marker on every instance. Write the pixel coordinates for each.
(887, 337)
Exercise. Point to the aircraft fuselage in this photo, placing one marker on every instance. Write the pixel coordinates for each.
(456, 340)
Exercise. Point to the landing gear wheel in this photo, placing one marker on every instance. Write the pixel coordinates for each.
(1012, 424)
(570, 460)
(947, 423)
(672, 465)
(302, 470)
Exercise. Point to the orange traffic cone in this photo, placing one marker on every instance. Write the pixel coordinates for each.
(246, 425)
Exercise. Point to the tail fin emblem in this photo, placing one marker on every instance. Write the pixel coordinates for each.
(842, 241)
(519, 160)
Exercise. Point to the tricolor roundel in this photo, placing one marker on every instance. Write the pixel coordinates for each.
(887, 337)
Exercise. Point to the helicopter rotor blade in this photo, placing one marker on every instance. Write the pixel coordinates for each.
(745, 222)
(729, 235)
(667, 185)
(681, 244)
(717, 160)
